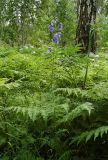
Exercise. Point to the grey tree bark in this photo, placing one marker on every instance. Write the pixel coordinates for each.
(86, 17)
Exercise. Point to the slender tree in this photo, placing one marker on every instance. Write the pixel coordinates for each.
(86, 17)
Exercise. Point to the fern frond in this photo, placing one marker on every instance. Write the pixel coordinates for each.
(32, 112)
(10, 85)
(78, 111)
(71, 91)
(87, 135)
(66, 155)
(98, 91)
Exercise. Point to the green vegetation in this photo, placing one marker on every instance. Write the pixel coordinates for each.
(45, 113)
(53, 98)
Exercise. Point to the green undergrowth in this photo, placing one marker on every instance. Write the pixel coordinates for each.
(46, 110)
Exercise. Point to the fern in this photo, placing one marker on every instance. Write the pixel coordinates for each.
(60, 110)
(87, 135)
(98, 92)
(32, 112)
(66, 155)
(71, 91)
(80, 110)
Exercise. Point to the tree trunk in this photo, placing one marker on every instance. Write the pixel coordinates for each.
(86, 16)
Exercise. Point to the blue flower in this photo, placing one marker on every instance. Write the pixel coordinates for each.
(56, 37)
(50, 28)
(60, 25)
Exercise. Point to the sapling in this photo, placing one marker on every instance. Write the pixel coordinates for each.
(88, 55)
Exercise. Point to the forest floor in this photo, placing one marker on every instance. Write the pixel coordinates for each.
(49, 109)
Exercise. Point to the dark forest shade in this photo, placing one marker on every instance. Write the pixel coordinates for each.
(86, 16)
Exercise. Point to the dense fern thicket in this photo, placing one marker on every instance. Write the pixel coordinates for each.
(53, 96)
(47, 109)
